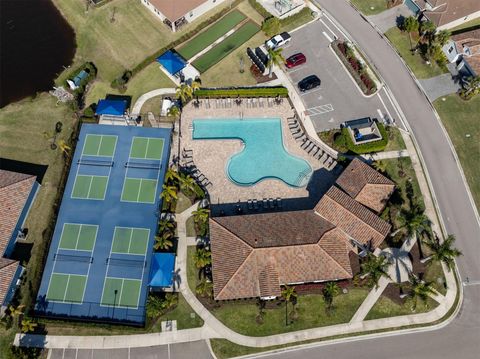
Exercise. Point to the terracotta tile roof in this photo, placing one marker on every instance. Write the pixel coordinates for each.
(8, 267)
(276, 229)
(354, 219)
(447, 11)
(471, 39)
(242, 271)
(14, 191)
(174, 9)
(474, 63)
(366, 185)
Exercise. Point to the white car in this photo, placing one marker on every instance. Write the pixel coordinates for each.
(278, 40)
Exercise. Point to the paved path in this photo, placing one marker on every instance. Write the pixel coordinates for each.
(388, 18)
(385, 155)
(439, 86)
(141, 100)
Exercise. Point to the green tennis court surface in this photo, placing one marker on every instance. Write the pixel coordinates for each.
(121, 292)
(90, 187)
(234, 41)
(147, 148)
(212, 34)
(78, 236)
(139, 190)
(67, 288)
(99, 145)
(130, 240)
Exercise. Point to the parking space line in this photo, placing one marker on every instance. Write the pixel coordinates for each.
(328, 37)
(309, 92)
(334, 35)
(386, 109)
(380, 114)
(319, 110)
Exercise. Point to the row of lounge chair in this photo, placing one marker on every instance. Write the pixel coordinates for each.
(266, 203)
(218, 103)
(310, 145)
(192, 169)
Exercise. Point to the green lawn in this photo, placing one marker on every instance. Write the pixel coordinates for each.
(434, 273)
(414, 60)
(370, 7)
(212, 34)
(241, 317)
(221, 50)
(184, 315)
(183, 202)
(469, 24)
(385, 308)
(395, 139)
(192, 271)
(191, 227)
(460, 118)
(302, 17)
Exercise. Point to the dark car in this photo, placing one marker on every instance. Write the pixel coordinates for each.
(295, 60)
(308, 83)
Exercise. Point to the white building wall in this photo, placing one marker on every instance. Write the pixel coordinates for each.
(154, 11)
(460, 21)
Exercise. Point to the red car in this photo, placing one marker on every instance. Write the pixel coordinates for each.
(295, 60)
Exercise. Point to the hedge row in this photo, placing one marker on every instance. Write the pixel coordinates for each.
(283, 22)
(243, 92)
(187, 36)
(376, 146)
(356, 69)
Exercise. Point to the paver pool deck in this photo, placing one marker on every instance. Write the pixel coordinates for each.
(211, 156)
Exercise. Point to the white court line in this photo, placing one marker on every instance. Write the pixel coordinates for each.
(328, 37)
(99, 145)
(334, 35)
(386, 109)
(130, 240)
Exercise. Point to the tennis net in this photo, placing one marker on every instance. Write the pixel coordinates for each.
(72, 258)
(95, 163)
(126, 262)
(147, 166)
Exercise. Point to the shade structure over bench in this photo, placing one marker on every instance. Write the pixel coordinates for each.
(161, 270)
(172, 62)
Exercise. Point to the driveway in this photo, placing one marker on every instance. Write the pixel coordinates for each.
(388, 19)
(439, 86)
(197, 350)
(337, 99)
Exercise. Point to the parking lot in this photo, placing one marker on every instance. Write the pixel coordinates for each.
(337, 99)
(198, 350)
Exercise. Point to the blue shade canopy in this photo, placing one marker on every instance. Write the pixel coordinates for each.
(111, 107)
(161, 270)
(172, 62)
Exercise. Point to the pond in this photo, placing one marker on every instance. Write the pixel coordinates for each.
(36, 42)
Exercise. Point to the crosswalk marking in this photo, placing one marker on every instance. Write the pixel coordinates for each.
(319, 110)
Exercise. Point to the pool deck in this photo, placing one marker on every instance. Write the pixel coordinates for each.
(211, 158)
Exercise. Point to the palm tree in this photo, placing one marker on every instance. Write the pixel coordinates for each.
(171, 176)
(195, 85)
(442, 37)
(188, 184)
(154, 306)
(375, 267)
(415, 221)
(428, 29)
(170, 300)
(169, 193)
(184, 93)
(202, 258)
(410, 24)
(471, 84)
(330, 291)
(173, 111)
(444, 252)
(290, 296)
(205, 288)
(274, 58)
(201, 215)
(165, 225)
(163, 241)
(419, 290)
(28, 326)
(15, 312)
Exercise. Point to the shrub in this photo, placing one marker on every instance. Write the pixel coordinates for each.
(260, 9)
(271, 26)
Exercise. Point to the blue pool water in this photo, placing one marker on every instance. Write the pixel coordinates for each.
(263, 155)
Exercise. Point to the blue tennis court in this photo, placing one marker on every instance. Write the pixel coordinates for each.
(101, 251)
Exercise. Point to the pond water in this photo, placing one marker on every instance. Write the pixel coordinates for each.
(36, 42)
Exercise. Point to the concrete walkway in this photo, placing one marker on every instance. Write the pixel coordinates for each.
(378, 156)
(147, 96)
(438, 86)
(388, 18)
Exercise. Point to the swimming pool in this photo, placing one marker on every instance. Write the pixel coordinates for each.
(263, 155)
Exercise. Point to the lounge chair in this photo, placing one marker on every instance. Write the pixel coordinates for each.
(271, 203)
(255, 204)
(279, 202)
(265, 203)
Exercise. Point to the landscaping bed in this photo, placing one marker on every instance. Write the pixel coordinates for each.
(355, 67)
(211, 34)
(224, 48)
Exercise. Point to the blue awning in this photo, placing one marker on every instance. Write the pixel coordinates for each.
(111, 107)
(172, 62)
(161, 270)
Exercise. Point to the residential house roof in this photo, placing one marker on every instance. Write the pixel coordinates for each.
(365, 185)
(446, 11)
(8, 268)
(354, 219)
(470, 40)
(242, 270)
(14, 191)
(174, 10)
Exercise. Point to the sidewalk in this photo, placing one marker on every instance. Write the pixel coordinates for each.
(141, 100)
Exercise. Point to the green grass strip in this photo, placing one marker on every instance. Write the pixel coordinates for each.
(231, 43)
(212, 34)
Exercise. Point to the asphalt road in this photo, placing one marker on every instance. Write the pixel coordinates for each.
(461, 338)
(327, 105)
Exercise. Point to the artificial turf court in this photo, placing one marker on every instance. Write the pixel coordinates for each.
(232, 42)
(101, 250)
(211, 34)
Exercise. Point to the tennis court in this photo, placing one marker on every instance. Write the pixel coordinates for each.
(99, 259)
(211, 34)
(232, 42)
